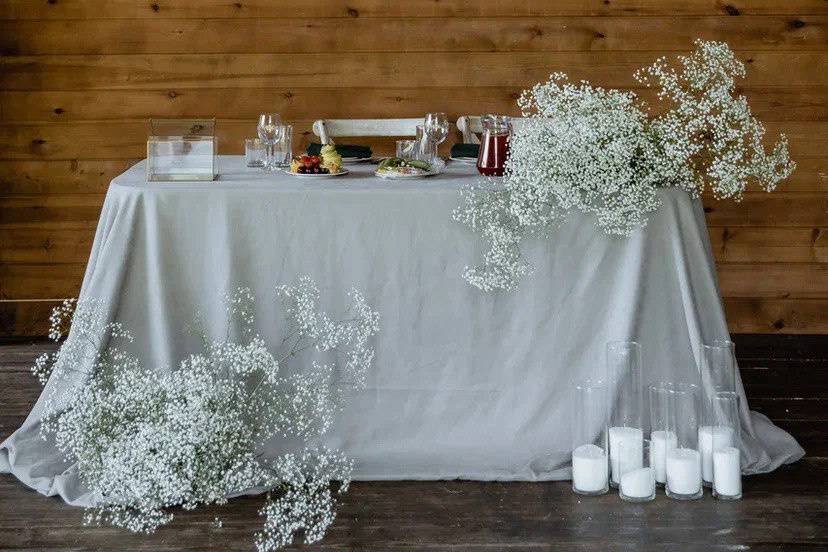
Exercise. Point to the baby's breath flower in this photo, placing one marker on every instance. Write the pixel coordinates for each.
(584, 148)
(145, 440)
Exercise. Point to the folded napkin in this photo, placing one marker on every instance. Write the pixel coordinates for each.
(344, 151)
(465, 150)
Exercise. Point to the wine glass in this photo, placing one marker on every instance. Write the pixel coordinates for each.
(436, 128)
(270, 132)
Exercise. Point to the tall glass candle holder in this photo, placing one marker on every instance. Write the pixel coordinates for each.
(590, 467)
(683, 463)
(726, 455)
(637, 481)
(718, 375)
(662, 437)
(718, 366)
(624, 374)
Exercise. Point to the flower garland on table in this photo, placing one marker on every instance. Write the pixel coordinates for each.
(584, 148)
(189, 437)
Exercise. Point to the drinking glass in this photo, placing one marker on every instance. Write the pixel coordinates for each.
(407, 149)
(254, 152)
(284, 151)
(590, 469)
(436, 128)
(270, 131)
(426, 147)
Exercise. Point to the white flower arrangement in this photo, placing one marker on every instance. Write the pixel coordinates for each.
(600, 152)
(145, 441)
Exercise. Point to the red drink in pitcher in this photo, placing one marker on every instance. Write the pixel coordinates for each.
(494, 144)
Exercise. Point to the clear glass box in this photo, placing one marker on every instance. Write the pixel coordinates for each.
(181, 149)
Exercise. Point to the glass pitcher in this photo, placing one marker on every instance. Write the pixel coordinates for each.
(494, 144)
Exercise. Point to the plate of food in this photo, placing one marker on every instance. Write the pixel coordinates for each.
(325, 165)
(394, 167)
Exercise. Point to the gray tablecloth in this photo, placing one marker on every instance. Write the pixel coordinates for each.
(465, 384)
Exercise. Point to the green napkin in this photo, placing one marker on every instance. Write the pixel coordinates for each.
(465, 150)
(343, 150)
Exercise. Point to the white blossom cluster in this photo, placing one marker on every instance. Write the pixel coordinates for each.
(306, 498)
(709, 137)
(584, 148)
(146, 439)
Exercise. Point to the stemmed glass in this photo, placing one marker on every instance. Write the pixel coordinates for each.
(436, 128)
(270, 132)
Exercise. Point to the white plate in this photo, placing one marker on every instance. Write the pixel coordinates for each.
(399, 176)
(355, 159)
(312, 175)
(467, 160)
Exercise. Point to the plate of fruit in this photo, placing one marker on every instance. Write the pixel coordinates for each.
(394, 167)
(325, 165)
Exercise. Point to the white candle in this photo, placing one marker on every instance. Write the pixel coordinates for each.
(589, 469)
(633, 450)
(684, 471)
(727, 471)
(722, 436)
(661, 442)
(638, 483)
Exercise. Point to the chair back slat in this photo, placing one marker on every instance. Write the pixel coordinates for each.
(327, 129)
(470, 126)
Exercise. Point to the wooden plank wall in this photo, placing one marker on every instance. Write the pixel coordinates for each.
(79, 78)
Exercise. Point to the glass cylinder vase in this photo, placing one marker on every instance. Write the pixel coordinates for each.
(683, 463)
(726, 440)
(662, 436)
(718, 366)
(626, 420)
(590, 467)
(718, 375)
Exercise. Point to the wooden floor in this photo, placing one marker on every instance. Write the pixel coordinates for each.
(786, 510)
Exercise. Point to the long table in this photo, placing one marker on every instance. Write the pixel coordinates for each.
(465, 384)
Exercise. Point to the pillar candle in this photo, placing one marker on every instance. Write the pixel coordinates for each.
(589, 469)
(633, 450)
(638, 483)
(661, 442)
(727, 471)
(684, 471)
(722, 436)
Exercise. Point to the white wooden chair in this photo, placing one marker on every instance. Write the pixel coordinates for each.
(470, 126)
(327, 129)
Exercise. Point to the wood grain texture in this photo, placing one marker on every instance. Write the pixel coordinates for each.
(354, 70)
(183, 9)
(407, 34)
(780, 511)
(796, 103)
(79, 78)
